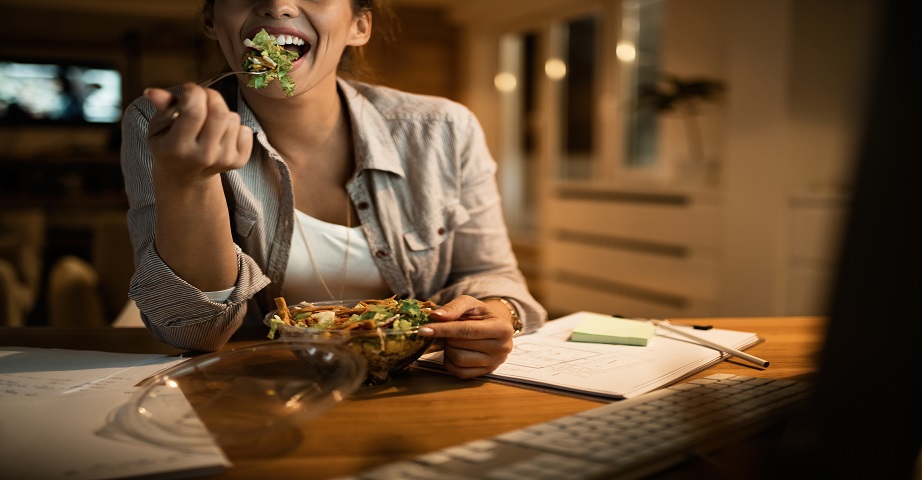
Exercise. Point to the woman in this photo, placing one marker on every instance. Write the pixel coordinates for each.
(234, 194)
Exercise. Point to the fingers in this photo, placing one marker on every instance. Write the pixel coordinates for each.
(187, 112)
(465, 317)
(192, 110)
(462, 372)
(220, 120)
(244, 141)
(463, 307)
(174, 110)
(165, 103)
(455, 308)
(195, 134)
(465, 363)
(220, 132)
(161, 98)
(477, 341)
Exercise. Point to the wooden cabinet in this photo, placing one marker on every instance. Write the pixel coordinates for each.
(657, 253)
(636, 253)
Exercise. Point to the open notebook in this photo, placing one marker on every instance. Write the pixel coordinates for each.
(548, 359)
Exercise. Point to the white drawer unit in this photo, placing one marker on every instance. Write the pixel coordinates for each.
(641, 254)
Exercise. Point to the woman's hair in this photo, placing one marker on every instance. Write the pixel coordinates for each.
(352, 64)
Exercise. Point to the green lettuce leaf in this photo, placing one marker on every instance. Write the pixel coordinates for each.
(265, 56)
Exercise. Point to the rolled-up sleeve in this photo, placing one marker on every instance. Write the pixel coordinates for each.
(176, 312)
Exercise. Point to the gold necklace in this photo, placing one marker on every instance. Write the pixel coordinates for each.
(342, 284)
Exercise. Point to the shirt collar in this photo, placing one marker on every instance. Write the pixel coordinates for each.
(374, 146)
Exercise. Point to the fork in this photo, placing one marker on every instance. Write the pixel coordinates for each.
(204, 84)
(211, 81)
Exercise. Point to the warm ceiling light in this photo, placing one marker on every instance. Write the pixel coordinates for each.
(555, 69)
(626, 51)
(505, 82)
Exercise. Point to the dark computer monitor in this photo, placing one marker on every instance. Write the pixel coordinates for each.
(866, 417)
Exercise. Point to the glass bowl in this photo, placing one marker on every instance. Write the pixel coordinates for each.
(234, 397)
(385, 350)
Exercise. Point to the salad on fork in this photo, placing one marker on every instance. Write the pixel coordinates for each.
(266, 56)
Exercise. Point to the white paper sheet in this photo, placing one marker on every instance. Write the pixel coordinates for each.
(39, 372)
(56, 407)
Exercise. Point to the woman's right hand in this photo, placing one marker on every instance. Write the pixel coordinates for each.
(190, 150)
(196, 136)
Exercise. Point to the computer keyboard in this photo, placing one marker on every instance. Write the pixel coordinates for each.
(625, 439)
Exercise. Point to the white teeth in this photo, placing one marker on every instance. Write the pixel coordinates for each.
(288, 40)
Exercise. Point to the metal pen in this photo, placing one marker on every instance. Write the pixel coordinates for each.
(665, 325)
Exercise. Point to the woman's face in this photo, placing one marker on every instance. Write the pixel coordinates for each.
(318, 29)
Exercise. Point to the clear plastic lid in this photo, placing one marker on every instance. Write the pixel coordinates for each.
(232, 397)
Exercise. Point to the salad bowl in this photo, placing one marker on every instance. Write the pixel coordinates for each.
(383, 332)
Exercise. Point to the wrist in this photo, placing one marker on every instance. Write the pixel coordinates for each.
(517, 325)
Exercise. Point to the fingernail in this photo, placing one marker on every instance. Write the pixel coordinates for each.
(426, 331)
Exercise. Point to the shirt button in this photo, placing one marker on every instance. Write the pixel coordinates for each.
(441, 230)
(380, 254)
(362, 205)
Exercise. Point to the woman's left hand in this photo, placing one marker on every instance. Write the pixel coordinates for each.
(477, 337)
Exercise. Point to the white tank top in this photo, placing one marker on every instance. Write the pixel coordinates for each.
(327, 242)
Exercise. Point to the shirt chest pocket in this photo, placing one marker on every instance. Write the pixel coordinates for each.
(432, 231)
(244, 223)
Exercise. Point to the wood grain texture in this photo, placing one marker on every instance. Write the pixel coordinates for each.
(422, 411)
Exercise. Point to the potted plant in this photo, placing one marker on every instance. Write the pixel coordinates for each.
(684, 95)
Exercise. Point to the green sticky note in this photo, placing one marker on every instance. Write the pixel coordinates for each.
(618, 331)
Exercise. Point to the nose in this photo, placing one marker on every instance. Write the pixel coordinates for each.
(278, 8)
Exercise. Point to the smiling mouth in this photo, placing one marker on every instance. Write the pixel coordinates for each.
(287, 42)
(293, 44)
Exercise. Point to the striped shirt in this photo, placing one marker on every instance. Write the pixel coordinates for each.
(424, 189)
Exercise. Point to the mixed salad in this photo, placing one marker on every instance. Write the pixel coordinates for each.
(384, 331)
(265, 55)
(386, 314)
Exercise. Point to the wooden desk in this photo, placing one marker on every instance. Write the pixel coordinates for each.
(424, 411)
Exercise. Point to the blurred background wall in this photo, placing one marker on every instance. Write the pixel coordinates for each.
(722, 205)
